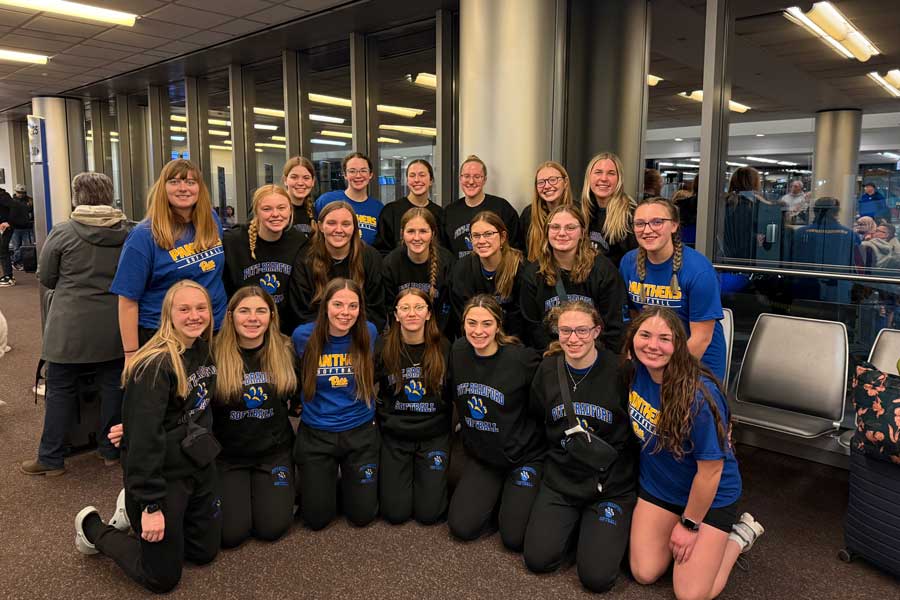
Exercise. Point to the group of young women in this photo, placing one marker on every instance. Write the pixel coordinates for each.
(553, 443)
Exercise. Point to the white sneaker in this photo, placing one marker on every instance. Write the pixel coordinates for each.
(120, 520)
(746, 531)
(81, 542)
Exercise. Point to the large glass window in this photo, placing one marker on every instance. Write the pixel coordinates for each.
(221, 160)
(264, 91)
(327, 81)
(176, 145)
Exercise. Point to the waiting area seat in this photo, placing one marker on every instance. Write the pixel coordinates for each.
(793, 376)
(886, 351)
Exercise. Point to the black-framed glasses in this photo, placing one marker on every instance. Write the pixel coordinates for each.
(548, 181)
(581, 333)
(487, 235)
(655, 224)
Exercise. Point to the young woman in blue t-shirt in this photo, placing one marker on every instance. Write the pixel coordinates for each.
(337, 425)
(358, 172)
(689, 479)
(664, 272)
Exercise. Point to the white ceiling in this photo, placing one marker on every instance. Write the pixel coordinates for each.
(85, 51)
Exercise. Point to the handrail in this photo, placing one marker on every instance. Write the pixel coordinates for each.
(811, 274)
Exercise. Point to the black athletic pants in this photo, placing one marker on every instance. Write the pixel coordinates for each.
(481, 488)
(319, 454)
(413, 479)
(193, 530)
(602, 527)
(257, 499)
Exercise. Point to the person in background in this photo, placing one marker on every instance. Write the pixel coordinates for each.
(12, 216)
(419, 179)
(81, 333)
(871, 203)
(687, 209)
(883, 247)
(607, 207)
(229, 220)
(826, 242)
(865, 228)
(552, 188)
(754, 226)
(458, 216)
(653, 183)
(23, 234)
(299, 179)
(358, 171)
(795, 204)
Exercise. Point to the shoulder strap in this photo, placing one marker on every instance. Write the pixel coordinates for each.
(560, 288)
(564, 389)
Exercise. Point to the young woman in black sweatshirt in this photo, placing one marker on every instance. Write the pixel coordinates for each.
(489, 381)
(552, 189)
(256, 381)
(568, 266)
(413, 414)
(170, 497)
(419, 179)
(421, 263)
(299, 179)
(265, 251)
(337, 250)
(576, 501)
(494, 268)
(608, 208)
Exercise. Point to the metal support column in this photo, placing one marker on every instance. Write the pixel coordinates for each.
(290, 80)
(306, 129)
(130, 207)
(239, 140)
(158, 134)
(100, 145)
(359, 112)
(196, 107)
(444, 189)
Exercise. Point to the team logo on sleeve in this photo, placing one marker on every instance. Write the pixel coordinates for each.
(269, 283)
(255, 396)
(526, 477)
(367, 473)
(477, 409)
(437, 460)
(414, 390)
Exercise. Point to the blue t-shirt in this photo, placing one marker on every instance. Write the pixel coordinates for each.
(146, 272)
(367, 212)
(697, 300)
(660, 473)
(335, 407)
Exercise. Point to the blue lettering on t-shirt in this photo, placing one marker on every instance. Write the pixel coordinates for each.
(367, 212)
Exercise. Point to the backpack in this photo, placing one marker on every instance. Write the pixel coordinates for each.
(876, 399)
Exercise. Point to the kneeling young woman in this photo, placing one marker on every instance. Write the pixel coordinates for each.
(489, 381)
(584, 496)
(169, 497)
(255, 383)
(689, 478)
(337, 426)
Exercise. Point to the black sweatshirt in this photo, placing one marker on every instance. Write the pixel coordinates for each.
(400, 273)
(303, 286)
(603, 288)
(255, 426)
(499, 424)
(613, 252)
(468, 279)
(389, 233)
(601, 403)
(524, 226)
(416, 413)
(301, 223)
(271, 269)
(153, 415)
(458, 215)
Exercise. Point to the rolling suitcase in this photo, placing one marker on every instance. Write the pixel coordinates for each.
(28, 258)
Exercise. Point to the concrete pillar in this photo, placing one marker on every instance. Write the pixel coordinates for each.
(836, 158)
(607, 86)
(507, 55)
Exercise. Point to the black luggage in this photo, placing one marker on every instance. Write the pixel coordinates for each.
(872, 529)
(28, 258)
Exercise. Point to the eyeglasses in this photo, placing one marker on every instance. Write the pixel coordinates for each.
(655, 224)
(419, 309)
(176, 181)
(487, 236)
(472, 177)
(246, 312)
(548, 181)
(581, 332)
(355, 172)
(570, 228)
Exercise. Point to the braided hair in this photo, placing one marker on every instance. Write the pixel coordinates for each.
(260, 193)
(678, 247)
(434, 258)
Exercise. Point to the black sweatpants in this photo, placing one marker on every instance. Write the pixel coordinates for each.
(413, 478)
(318, 454)
(602, 527)
(193, 514)
(257, 500)
(479, 492)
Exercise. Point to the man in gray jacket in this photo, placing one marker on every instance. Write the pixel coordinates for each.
(81, 334)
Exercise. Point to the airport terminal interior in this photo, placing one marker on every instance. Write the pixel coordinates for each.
(716, 104)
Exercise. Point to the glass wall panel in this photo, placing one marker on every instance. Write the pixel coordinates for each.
(326, 77)
(113, 156)
(220, 155)
(264, 90)
(176, 145)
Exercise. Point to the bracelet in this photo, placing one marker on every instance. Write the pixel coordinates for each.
(131, 351)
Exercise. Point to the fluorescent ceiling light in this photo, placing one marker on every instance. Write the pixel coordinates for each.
(229, 142)
(179, 118)
(326, 119)
(332, 100)
(679, 139)
(387, 140)
(760, 135)
(178, 128)
(826, 22)
(114, 133)
(340, 134)
(219, 122)
(270, 145)
(697, 95)
(279, 138)
(892, 90)
(787, 163)
(219, 132)
(114, 140)
(413, 129)
(75, 9)
(426, 80)
(216, 147)
(893, 155)
(735, 164)
(176, 138)
(686, 165)
(401, 111)
(26, 57)
(327, 142)
(893, 77)
(666, 164)
(652, 80)
(762, 160)
(265, 127)
(268, 112)
(694, 159)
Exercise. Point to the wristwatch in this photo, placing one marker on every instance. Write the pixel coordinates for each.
(151, 508)
(688, 524)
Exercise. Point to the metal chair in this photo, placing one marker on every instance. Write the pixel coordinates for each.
(886, 351)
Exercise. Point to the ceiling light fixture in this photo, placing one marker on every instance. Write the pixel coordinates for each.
(426, 80)
(686, 165)
(401, 111)
(327, 119)
(268, 112)
(279, 138)
(179, 118)
(413, 129)
(893, 155)
(697, 96)
(893, 77)
(332, 100)
(679, 139)
(892, 90)
(76, 9)
(270, 145)
(760, 135)
(265, 127)
(735, 164)
(25, 57)
(652, 80)
(694, 159)
(762, 160)
(176, 138)
(178, 128)
(219, 132)
(219, 122)
(327, 142)
(340, 134)
(217, 147)
(387, 140)
(826, 22)
(665, 164)
(786, 163)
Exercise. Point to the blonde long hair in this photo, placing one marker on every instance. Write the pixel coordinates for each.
(276, 357)
(584, 253)
(619, 211)
(166, 343)
(537, 231)
(258, 195)
(165, 225)
(510, 258)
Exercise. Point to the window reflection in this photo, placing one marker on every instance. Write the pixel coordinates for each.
(327, 81)
(264, 91)
(176, 145)
(221, 161)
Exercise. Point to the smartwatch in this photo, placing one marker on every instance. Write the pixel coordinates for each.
(151, 508)
(688, 524)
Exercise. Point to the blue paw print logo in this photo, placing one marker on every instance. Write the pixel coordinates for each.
(367, 473)
(608, 512)
(524, 475)
(202, 396)
(468, 243)
(438, 460)
(255, 396)
(584, 424)
(477, 409)
(269, 283)
(414, 391)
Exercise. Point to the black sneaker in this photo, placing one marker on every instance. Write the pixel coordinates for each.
(7, 281)
(18, 266)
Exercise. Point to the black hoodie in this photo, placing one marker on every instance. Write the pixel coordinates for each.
(468, 279)
(400, 272)
(389, 234)
(154, 417)
(301, 222)
(491, 393)
(458, 215)
(603, 288)
(614, 252)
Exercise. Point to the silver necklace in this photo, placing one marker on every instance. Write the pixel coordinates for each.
(407, 356)
(583, 377)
